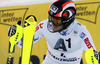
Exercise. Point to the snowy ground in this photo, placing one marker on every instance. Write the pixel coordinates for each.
(28, 0)
(4, 3)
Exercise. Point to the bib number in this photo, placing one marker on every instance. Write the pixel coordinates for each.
(60, 45)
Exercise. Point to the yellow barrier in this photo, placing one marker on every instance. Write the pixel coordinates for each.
(88, 13)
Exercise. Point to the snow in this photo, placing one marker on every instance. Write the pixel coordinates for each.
(6, 3)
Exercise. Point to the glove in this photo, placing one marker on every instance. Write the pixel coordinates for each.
(12, 29)
(96, 55)
(99, 57)
(15, 33)
(92, 56)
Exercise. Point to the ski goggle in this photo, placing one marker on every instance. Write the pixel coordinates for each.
(55, 21)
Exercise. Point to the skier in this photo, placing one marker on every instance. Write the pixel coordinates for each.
(66, 37)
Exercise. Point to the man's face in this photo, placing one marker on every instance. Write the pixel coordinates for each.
(56, 28)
